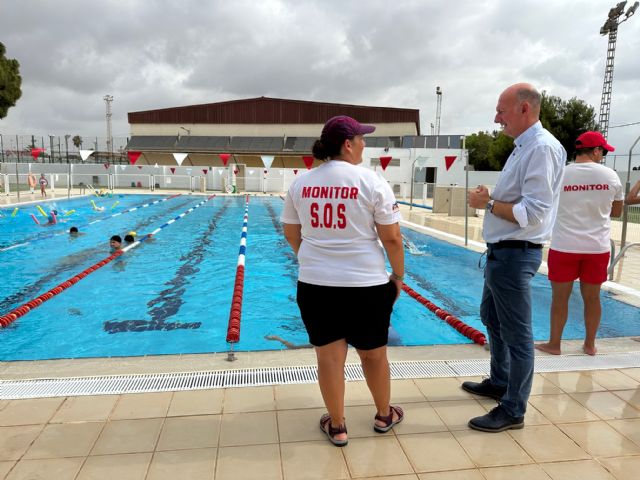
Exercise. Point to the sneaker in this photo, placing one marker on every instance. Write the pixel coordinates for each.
(497, 420)
(484, 389)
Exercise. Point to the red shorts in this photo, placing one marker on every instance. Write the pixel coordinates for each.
(588, 267)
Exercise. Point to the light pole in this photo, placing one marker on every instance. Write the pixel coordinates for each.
(108, 99)
(52, 150)
(610, 28)
(466, 190)
(66, 144)
(17, 177)
(2, 147)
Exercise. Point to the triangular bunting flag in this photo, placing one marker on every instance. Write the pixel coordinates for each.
(308, 161)
(155, 165)
(133, 157)
(251, 172)
(235, 171)
(139, 167)
(384, 162)
(179, 157)
(225, 158)
(295, 171)
(106, 165)
(265, 171)
(84, 154)
(448, 161)
(220, 171)
(204, 170)
(35, 152)
(173, 169)
(123, 167)
(267, 160)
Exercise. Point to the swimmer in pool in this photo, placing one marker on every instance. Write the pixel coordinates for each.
(115, 243)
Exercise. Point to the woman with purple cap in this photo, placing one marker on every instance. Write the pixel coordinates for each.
(580, 243)
(340, 219)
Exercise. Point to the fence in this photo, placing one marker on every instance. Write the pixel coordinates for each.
(75, 177)
(61, 149)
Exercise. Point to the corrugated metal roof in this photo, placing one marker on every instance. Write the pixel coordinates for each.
(265, 110)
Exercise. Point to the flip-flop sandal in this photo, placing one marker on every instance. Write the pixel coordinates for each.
(388, 420)
(331, 432)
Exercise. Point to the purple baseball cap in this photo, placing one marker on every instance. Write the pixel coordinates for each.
(338, 129)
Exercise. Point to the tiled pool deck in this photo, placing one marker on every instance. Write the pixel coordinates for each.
(579, 425)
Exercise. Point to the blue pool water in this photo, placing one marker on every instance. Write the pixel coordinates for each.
(173, 294)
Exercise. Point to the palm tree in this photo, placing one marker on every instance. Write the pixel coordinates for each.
(77, 141)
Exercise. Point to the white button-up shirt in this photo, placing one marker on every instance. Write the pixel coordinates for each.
(531, 181)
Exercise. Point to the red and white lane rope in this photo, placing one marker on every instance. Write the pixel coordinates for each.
(25, 308)
(468, 331)
(235, 313)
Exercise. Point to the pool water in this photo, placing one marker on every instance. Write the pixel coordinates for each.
(173, 294)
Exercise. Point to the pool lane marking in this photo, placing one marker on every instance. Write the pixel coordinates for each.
(165, 225)
(468, 331)
(129, 210)
(10, 247)
(22, 310)
(27, 292)
(235, 312)
(169, 301)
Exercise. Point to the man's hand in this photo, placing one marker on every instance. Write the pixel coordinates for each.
(479, 197)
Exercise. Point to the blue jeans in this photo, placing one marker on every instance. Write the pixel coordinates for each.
(506, 312)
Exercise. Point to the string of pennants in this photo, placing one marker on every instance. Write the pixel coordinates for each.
(267, 160)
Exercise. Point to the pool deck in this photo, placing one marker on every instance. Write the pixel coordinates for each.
(579, 425)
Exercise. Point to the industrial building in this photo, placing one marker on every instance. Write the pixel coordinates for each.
(268, 139)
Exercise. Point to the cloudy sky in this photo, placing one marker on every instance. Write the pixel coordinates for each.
(161, 53)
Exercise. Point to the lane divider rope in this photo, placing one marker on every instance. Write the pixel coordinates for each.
(133, 209)
(468, 331)
(235, 313)
(25, 308)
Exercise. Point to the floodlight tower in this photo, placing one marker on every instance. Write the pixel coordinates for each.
(108, 99)
(438, 110)
(610, 27)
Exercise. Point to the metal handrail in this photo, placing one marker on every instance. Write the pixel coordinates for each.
(615, 259)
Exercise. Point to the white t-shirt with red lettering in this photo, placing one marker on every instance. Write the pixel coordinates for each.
(337, 205)
(583, 224)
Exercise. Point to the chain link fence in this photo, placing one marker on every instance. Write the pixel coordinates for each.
(61, 149)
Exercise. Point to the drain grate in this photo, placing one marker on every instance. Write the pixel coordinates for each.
(163, 382)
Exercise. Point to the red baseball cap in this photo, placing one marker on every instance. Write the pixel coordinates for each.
(338, 129)
(592, 140)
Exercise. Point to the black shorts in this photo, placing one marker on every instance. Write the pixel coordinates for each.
(360, 315)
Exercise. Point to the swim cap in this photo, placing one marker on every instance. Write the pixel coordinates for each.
(132, 233)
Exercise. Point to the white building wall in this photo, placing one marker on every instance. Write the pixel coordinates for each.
(407, 156)
(259, 130)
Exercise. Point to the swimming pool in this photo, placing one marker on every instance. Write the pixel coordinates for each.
(173, 294)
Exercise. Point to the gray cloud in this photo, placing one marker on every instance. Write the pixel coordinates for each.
(155, 54)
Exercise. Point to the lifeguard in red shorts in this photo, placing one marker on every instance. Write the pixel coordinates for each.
(591, 194)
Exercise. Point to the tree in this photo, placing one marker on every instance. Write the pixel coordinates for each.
(10, 82)
(489, 151)
(77, 141)
(565, 119)
(478, 145)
